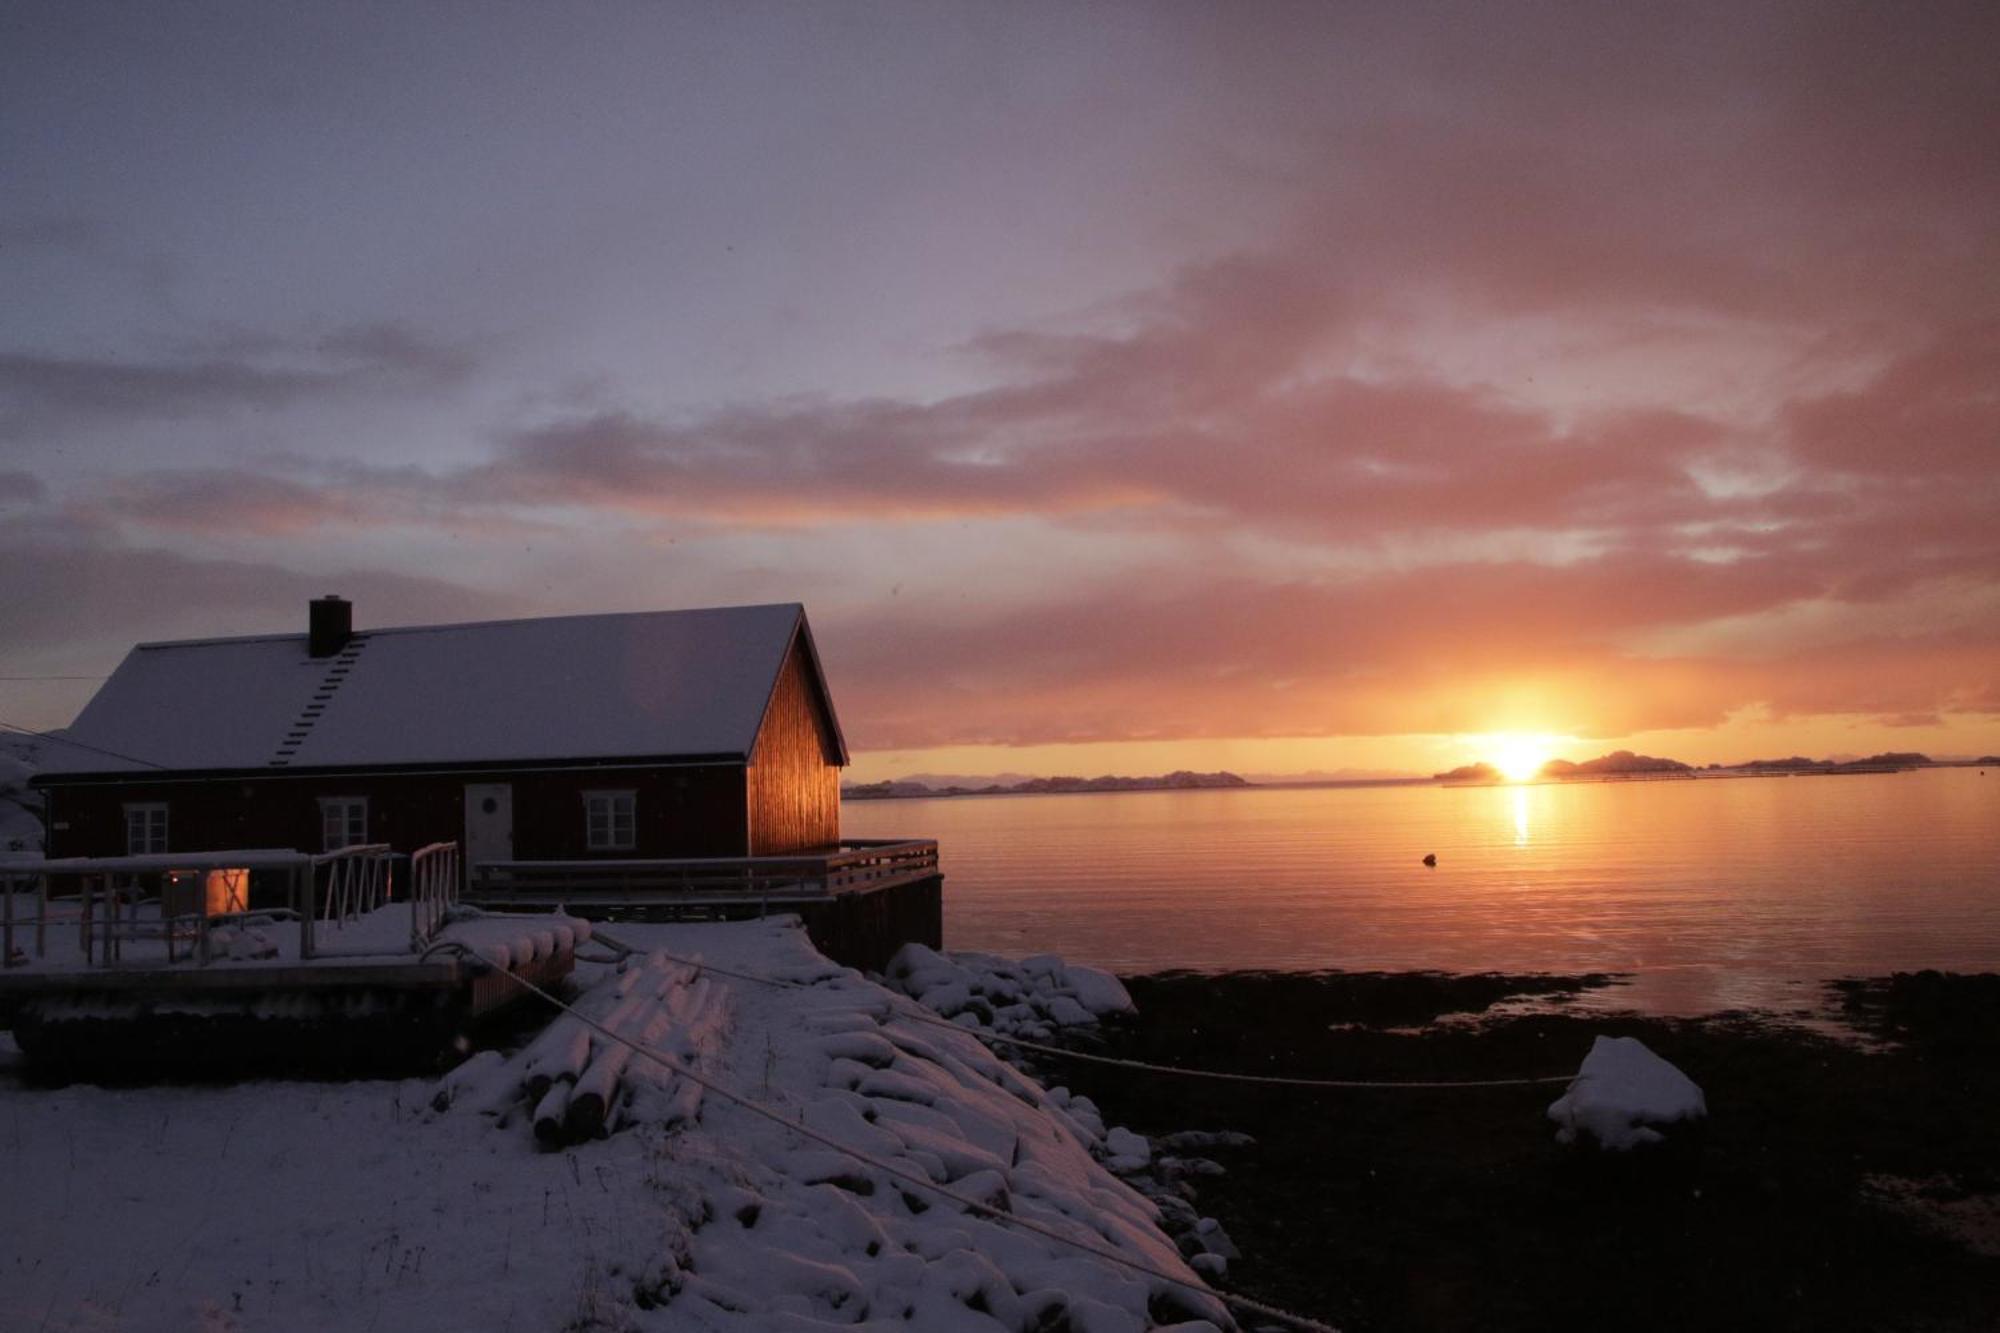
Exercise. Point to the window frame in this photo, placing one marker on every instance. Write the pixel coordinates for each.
(153, 835)
(353, 831)
(602, 833)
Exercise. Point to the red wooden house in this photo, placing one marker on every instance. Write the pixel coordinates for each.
(667, 734)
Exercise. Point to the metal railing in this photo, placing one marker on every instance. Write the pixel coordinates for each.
(13, 924)
(433, 889)
(358, 880)
(157, 907)
(346, 885)
(160, 909)
(859, 865)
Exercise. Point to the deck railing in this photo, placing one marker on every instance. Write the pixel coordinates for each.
(135, 909)
(357, 880)
(433, 889)
(145, 902)
(347, 884)
(858, 865)
(13, 925)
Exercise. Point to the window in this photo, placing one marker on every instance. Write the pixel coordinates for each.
(145, 829)
(608, 822)
(343, 822)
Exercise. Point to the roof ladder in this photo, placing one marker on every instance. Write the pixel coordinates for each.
(337, 670)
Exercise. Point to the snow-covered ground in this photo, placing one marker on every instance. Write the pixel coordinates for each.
(362, 1206)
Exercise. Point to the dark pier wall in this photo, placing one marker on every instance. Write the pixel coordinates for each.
(864, 930)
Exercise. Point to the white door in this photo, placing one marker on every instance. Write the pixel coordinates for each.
(489, 823)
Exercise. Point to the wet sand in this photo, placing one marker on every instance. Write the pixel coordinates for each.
(1838, 1184)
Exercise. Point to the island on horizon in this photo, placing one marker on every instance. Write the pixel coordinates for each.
(1627, 765)
(1619, 765)
(1179, 780)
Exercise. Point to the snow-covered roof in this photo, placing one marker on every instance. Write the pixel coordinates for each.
(649, 684)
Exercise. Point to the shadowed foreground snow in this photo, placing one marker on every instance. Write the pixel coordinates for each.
(360, 1206)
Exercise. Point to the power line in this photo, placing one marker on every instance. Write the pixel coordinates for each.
(5, 725)
(55, 678)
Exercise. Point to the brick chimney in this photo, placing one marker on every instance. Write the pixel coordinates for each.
(330, 624)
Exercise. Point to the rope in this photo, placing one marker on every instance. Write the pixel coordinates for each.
(890, 1168)
(908, 1008)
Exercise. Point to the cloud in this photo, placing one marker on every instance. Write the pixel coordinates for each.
(47, 393)
(1443, 649)
(65, 581)
(1203, 421)
(20, 489)
(1581, 332)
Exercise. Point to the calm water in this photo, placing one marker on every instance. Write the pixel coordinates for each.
(1717, 893)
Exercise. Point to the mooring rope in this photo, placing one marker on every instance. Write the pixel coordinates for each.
(912, 1010)
(917, 1179)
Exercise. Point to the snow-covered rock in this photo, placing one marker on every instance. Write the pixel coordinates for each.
(1126, 1152)
(1099, 992)
(1028, 998)
(1623, 1094)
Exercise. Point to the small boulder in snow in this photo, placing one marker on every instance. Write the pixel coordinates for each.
(1099, 992)
(1126, 1152)
(1067, 1012)
(1623, 1095)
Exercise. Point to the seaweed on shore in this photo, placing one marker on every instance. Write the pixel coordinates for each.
(1936, 1010)
(1455, 1209)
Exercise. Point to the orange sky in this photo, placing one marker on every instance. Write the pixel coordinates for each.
(1121, 389)
(1732, 742)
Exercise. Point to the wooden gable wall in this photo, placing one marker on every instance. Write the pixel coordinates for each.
(794, 777)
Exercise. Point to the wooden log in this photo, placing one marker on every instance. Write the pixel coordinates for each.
(601, 1087)
(532, 1053)
(562, 1058)
(481, 1081)
(595, 1091)
(550, 1112)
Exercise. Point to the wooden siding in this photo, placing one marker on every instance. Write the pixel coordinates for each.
(679, 812)
(794, 778)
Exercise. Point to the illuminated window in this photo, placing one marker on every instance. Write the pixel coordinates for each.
(343, 822)
(608, 822)
(145, 829)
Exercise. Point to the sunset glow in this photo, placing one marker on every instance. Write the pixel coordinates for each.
(1519, 755)
(1455, 547)
(1120, 392)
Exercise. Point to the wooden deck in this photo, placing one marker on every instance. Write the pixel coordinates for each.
(860, 902)
(734, 883)
(123, 969)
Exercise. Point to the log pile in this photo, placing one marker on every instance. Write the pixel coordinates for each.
(572, 1083)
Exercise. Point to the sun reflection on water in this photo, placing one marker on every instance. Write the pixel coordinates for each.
(1520, 816)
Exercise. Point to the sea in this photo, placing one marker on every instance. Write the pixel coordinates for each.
(1707, 895)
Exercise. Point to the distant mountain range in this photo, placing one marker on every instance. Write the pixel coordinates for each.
(1623, 763)
(1798, 763)
(911, 787)
(1617, 764)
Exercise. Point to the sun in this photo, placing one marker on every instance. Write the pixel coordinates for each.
(1519, 755)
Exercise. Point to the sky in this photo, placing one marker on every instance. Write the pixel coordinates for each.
(1121, 387)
